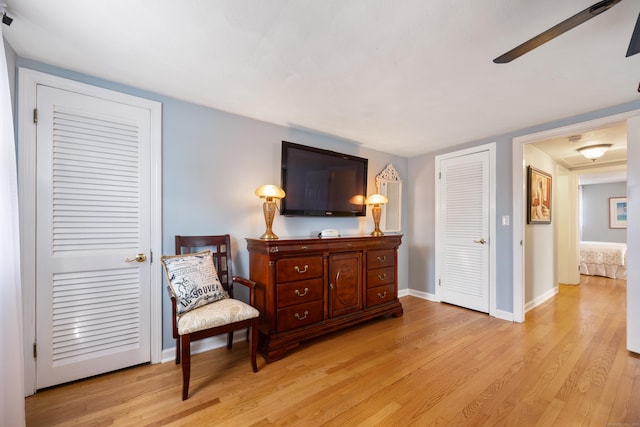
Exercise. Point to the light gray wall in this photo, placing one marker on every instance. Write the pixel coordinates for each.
(212, 163)
(595, 212)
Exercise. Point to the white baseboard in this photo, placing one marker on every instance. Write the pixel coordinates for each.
(542, 298)
(504, 315)
(419, 294)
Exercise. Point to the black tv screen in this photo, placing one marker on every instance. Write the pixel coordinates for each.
(320, 182)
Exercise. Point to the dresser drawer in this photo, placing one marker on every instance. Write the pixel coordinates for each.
(381, 294)
(299, 292)
(381, 258)
(299, 315)
(301, 268)
(381, 276)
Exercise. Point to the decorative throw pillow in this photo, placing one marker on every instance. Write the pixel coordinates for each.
(193, 280)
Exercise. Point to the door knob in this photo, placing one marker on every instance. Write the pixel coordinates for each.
(138, 258)
(481, 241)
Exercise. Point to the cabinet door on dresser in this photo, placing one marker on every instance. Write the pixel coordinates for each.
(345, 283)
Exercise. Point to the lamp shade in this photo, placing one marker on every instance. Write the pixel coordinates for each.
(270, 191)
(376, 199)
(593, 152)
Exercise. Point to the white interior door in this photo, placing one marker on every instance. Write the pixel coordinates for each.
(464, 232)
(93, 214)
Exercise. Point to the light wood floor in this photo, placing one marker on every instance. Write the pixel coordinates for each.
(437, 365)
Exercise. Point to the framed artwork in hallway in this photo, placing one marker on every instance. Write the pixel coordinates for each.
(538, 196)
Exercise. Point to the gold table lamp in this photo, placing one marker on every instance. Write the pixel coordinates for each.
(376, 200)
(270, 193)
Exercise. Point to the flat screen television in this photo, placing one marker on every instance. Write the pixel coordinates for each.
(321, 182)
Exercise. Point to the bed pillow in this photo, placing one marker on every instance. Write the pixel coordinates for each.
(193, 280)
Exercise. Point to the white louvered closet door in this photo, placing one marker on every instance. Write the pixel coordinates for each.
(464, 231)
(93, 307)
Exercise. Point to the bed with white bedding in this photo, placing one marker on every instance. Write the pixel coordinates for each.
(607, 259)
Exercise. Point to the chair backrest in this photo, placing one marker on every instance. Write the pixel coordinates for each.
(221, 248)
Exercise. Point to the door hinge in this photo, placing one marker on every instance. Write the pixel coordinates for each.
(35, 115)
(439, 282)
(439, 175)
(35, 350)
(150, 256)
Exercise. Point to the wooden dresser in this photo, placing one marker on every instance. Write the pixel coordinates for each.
(307, 287)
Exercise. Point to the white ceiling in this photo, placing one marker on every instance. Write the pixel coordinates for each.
(405, 77)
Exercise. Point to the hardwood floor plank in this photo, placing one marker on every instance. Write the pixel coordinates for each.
(436, 365)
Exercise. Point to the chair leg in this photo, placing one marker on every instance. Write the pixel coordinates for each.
(230, 339)
(253, 344)
(178, 350)
(186, 364)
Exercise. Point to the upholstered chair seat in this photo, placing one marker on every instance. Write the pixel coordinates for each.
(219, 313)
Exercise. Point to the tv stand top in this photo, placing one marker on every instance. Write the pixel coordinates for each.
(316, 244)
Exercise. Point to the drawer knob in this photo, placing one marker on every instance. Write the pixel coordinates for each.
(303, 293)
(382, 258)
(301, 270)
(304, 316)
(382, 276)
(382, 295)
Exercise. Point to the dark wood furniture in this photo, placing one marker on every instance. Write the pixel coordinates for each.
(221, 248)
(307, 287)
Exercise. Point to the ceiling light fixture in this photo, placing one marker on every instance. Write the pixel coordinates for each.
(593, 152)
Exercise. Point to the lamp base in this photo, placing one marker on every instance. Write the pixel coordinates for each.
(376, 211)
(269, 236)
(269, 209)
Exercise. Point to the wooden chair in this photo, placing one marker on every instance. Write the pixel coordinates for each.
(221, 248)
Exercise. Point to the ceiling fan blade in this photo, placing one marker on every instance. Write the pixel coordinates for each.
(634, 44)
(556, 30)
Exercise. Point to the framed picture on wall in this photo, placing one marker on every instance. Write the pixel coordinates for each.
(538, 196)
(617, 212)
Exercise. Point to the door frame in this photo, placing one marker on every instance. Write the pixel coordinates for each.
(491, 148)
(28, 81)
(519, 191)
